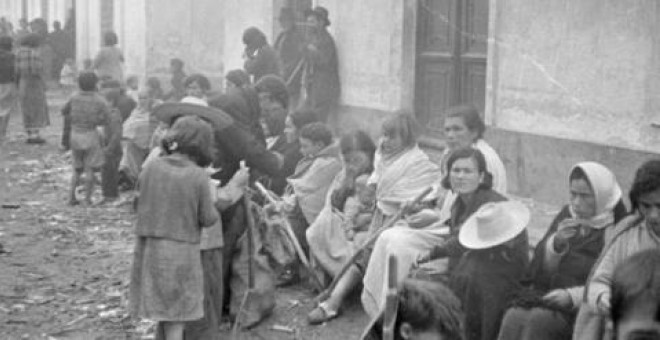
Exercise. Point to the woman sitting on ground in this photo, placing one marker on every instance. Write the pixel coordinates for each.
(635, 233)
(287, 144)
(470, 181)
(329, 247)
(401, 172)
(426, 310)
(464, 128)
(564, 257)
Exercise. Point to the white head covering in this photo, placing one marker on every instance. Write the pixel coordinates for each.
(607, 191)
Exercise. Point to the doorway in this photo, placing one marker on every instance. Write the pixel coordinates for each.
(452, 48)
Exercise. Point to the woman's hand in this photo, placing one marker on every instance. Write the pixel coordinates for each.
(567, 229)
(241, 178)
(560, 298)
(423, 218)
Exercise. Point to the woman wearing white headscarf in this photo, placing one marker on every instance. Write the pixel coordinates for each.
(546, 309)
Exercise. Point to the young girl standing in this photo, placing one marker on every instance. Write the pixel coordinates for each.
(175, 203)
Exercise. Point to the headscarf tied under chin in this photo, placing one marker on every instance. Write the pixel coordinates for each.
(607, 192)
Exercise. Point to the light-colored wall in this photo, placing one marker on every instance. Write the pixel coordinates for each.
(239, 15)
(369, 39)
(581, 70)
(131, 28)
(88, 29)
(191, 31)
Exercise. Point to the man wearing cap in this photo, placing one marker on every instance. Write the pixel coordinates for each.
(321, 77)
(289, 46)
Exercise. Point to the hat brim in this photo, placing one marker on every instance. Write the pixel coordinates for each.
(469, 237)
(310, 12)
(169, 112)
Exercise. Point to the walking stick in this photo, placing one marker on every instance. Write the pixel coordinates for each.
(391, 300)
(295, 71)
(294, 239)
(371, 240)
(250, 248)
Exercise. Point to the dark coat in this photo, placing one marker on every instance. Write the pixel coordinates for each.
(289, 46)
(485, 281)
(574, 266)
(459, 213)
(292, 155)
(263, 62)
(322, 83)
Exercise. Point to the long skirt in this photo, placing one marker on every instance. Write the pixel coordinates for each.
(32, 98)
(167, 281)
(406, 244)
(8, 106)
(208, 327)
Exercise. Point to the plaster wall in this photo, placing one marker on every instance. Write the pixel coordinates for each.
(191, 31)
(369, 38)
(88, 29)
(239, 15)
(12, 10)
(130, 25)
(577, 70)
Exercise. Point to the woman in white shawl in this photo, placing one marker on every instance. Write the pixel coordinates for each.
(401, 172)
(422, 231)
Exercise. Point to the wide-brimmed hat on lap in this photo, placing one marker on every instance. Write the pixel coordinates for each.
(169, 112)
(493, 224)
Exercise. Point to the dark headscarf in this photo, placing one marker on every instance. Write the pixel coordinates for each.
(238, 77)
(253, 38)
(235, 104)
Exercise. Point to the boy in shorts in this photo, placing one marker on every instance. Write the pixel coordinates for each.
(86, 111)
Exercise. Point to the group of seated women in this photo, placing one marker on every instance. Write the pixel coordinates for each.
(473, 238)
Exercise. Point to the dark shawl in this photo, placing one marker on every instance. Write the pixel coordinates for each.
(460, 212)
(323, 87)
(289, 46)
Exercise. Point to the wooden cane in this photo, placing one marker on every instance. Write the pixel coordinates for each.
(293, 238)
(250, 249)
(391, 299)
(295, 71)
(370, 241)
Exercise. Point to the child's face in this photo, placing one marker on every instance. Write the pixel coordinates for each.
(144, 101)
(309, 148)
(364, 193)
(132, 84)
(194, 90)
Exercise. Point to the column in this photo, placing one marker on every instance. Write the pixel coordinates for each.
(88, 29)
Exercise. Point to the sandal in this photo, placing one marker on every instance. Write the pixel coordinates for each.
(321, 314)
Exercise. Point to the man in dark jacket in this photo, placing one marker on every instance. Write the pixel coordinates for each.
(260, 58)
(322, 68)
(289, 46)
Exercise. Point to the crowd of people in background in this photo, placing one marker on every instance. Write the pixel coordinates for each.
(212, 245)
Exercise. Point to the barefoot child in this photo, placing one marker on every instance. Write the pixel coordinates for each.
(175, 203)
(84, 113)
(359, 208)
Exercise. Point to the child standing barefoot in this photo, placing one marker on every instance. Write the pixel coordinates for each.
(175, 203)
(83, 114)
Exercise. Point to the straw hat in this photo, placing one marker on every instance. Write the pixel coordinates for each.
(494, 224)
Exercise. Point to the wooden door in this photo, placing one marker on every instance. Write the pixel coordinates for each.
(452, 46)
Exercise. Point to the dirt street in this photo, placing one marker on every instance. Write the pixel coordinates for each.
(64, 270)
